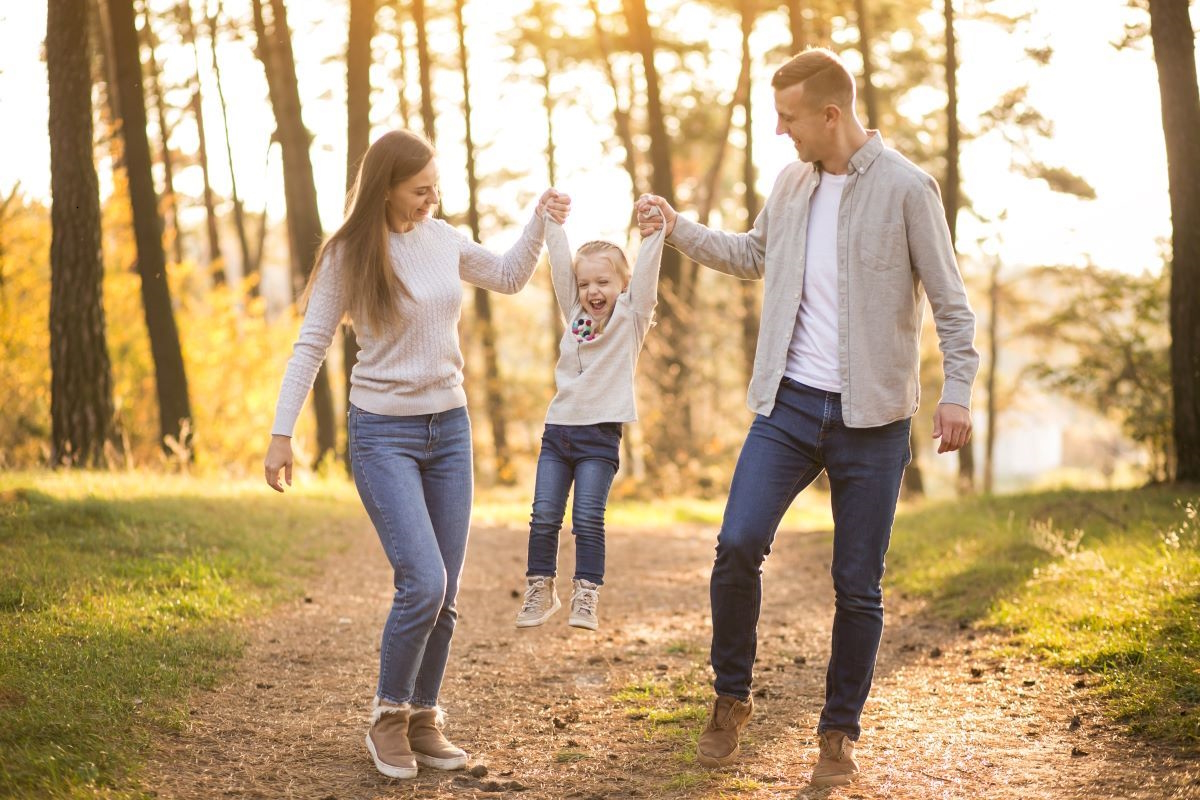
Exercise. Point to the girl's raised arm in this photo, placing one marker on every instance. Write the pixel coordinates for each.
(643, 286)
(562, 272)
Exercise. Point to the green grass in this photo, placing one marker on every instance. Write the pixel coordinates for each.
(119, 593)
(1105, 582)
(671, 710)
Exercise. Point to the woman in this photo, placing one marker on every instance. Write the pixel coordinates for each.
(397, 273)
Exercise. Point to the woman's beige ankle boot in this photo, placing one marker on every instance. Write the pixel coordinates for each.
(429, 744)
(387, 740)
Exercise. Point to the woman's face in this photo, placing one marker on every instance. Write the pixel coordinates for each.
(413, 199)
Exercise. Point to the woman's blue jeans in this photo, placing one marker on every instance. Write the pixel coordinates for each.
(782, 454)
(414, 477)
(589, 456)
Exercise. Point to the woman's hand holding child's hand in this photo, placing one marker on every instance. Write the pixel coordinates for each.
(556, 204)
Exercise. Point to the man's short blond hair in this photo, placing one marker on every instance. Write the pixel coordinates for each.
(826, 79)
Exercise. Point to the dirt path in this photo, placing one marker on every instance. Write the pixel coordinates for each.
(554, 712)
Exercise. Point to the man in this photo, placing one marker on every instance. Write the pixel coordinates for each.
(851, 240)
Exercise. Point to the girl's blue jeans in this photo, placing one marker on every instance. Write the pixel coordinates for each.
(588, 456)
(414, 477)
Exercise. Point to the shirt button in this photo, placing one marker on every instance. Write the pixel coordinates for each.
(796, 297)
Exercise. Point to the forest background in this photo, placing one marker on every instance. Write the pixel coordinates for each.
(1041, 121)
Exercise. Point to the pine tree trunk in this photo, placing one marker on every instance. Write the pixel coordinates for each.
(950, 196)
(672, 441)
(870, 103)
(249, 264)
(1175, 54)
(402, 68)
(796, 25)
(493, 384)
(81, 405)
(620, 113)
(989, 446)
(170, 198)
(299, 188)
(555, 327)
(424, 70)
(175, 415)
(358, 139)
(216, 262)
(749, 289)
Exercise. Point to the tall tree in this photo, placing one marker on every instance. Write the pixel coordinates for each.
(750, 292)
(424, 69)
(175, 414)
(539, 36)
(795, 25)
(673, 438)
(216, 262)
(358, 84)
(1175, 55)
(950, 186)
(401, 73)
(299, 188)
(621, 118)
(993, 407)
(249, 263)
(81, 405)
(154, 84)
(870, 102)
(493, 385)
(358, 139)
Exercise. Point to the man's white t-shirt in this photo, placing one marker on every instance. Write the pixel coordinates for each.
(813, 353)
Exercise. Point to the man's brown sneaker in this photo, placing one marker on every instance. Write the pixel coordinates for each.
(836, 765)
(429, 744)
(718, 744)
(387, 741)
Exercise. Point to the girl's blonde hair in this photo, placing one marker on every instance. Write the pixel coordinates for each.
(610, 252)
(369, 281)
(614, 255)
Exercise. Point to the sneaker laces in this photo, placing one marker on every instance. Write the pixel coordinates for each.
(534, 596)
(585, 601)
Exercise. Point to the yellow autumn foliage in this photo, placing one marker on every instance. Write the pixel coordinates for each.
(232, 353)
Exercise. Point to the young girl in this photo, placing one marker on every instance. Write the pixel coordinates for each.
(607, 317)
(397, 272)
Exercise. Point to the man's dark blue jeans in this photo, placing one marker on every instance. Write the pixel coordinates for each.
(782, 454)
(588, 456)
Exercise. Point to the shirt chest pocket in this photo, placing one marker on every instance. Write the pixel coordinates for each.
(884, 246)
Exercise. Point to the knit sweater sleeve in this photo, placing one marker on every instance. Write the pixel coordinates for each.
(643, 286)
(326, 307)
(506, 273)
(561, 269)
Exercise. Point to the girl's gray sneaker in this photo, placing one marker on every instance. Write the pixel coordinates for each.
(541, 601)
(583, 605)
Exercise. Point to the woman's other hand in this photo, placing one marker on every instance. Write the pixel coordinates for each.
(279, 457)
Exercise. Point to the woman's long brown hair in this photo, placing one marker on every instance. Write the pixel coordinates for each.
(370, 282)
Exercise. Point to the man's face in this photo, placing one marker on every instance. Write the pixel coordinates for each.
(808, 127)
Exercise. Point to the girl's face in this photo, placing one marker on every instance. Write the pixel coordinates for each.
(412, 200)
(599, 284)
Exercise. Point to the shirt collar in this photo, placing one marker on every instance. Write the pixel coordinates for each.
(864, 156)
